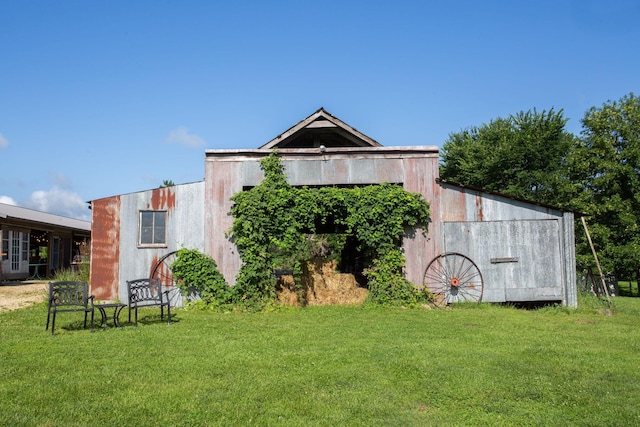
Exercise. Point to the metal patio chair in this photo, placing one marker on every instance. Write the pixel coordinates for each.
(69, 297)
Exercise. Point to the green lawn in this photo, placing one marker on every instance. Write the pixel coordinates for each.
(327, 366)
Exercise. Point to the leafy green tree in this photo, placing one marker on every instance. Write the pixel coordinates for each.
(607, 167)
(524, 155)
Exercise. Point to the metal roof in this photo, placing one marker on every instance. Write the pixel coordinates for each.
(24, 214)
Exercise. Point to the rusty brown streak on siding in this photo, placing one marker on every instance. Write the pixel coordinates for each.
(154, 261)
(479, 213)
(163, 198)
(223, 179)
(105, 249)
(420, 177)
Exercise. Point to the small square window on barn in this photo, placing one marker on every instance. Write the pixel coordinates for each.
(153, 229)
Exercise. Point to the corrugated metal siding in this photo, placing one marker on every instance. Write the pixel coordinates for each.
(484, 226)
(105, 248)
(419, 248)
(569, 257)
(223, 180)
(324, 170)
(185, 224)
(533, 246)
(477, 224)
(462, 204)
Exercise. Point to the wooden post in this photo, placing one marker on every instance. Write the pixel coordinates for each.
(604, 284)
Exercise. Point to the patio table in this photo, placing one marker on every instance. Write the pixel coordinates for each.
(117, 308)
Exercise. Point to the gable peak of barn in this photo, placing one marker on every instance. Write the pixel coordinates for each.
(321, 129)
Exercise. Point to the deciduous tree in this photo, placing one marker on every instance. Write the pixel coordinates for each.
(524, 155)
(607, 167)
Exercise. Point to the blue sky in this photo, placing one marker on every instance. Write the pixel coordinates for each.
(99, 98)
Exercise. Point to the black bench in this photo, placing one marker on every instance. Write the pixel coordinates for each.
(147, 293)
(68, 297)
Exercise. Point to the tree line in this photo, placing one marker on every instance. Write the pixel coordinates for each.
(531, 155)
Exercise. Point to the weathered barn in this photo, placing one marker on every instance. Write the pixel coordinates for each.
(34, 243)
(508, 249)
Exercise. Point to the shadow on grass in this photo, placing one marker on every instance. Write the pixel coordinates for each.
(629, 293)
(73, 325)
(147, 319)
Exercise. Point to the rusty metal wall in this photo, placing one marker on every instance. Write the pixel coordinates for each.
(483, 225)
(223, 179)
(421, 246)
(463, 204)
(519, 260)
(105, 247)
(326, 170)
(116, 256)
(185, 217)
(227, 172)
(488, 227)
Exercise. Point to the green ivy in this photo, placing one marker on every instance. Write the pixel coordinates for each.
(197, 273)
(273, 222)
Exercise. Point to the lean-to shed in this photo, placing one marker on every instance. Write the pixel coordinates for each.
(521, 250)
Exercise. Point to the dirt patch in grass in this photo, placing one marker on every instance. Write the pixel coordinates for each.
(15, 295)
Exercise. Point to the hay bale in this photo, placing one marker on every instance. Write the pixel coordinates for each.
(320, 284)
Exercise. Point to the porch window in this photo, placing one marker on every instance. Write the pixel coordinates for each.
(153, 230)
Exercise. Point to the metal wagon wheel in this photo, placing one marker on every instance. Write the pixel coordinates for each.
(161, 270)
(455, 278)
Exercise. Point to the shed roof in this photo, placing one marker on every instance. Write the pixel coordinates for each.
(321, 128)
(24, 214)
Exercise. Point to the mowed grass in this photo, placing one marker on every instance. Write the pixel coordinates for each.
(327, 366)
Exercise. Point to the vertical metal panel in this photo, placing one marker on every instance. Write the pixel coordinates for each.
(188, 217)
(223, 179)
(105, 248)
(304, 172)
(422, 245)
(569, 257)
(452, 206)
(535, 244)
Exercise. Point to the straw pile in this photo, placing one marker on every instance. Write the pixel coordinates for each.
(320, 284)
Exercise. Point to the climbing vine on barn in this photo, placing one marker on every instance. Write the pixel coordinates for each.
(274, 224)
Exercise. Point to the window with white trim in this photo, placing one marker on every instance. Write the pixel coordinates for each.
(153, 228)
(25, 247)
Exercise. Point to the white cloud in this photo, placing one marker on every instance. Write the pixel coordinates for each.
(8, 201)
(181, 136)
(60, 202)
(4, 142)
